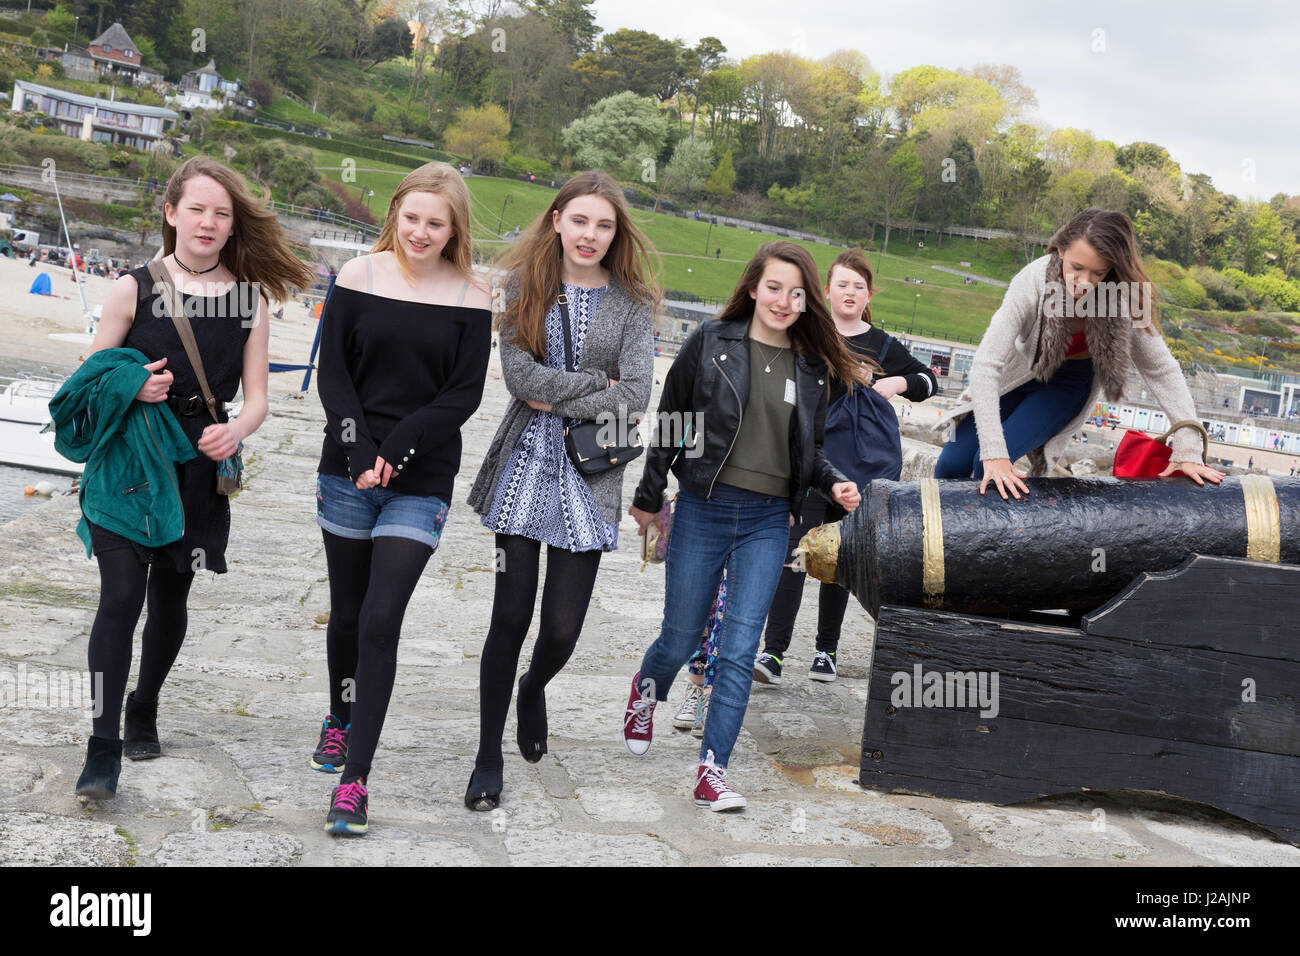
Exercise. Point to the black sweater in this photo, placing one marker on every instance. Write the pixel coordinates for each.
(921, 383)
(397, 380)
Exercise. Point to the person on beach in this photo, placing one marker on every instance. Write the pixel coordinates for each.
(225, 254)
(405, 339)
(756, 378)
(850, 284)
(1068, 329)
(584, 263)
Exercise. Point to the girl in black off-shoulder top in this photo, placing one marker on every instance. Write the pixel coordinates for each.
(405, 339)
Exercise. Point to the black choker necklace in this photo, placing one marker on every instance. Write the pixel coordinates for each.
(193, 272)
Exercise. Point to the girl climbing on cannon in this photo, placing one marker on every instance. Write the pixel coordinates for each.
(1070, 325)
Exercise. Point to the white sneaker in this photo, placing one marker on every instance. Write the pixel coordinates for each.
(697, 729)
(685, 718)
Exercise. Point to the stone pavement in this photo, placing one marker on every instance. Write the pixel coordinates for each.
(241, 712)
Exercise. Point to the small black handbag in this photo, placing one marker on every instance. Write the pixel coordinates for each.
(587, 442)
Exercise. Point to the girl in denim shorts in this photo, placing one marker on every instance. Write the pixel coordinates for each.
(405, 339)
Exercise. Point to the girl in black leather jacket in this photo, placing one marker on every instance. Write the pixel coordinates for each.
(749, 392)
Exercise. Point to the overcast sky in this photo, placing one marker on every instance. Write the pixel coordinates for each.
(1215, 83)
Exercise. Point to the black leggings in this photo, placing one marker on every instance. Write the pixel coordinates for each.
(832, 602)
(125, 583)
(371, 582)
(570, 578)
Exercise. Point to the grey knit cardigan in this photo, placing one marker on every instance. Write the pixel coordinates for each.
(619, 345)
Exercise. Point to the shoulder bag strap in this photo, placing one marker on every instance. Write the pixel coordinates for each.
(172, 300)
(563, 300)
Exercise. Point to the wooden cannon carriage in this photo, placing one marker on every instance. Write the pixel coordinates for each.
(1100, 635)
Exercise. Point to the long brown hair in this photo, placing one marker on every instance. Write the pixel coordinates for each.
(814, 332)
(856, 260)
(1111, 234)
(256, 250)
(538, 258)
(441, 180)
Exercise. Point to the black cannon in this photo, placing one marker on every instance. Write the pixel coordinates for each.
(1168, 659)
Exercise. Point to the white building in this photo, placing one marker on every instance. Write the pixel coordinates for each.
(94, 118)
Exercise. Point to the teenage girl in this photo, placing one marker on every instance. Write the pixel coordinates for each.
(1070, 325)
(583, 262)
(850, 284)
(756, 378)
(225, 253)
(404, 349)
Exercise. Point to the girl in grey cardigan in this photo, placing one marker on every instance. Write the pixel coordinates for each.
(1040, 368)
(586, 248)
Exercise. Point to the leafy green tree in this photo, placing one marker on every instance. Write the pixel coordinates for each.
(480, 132)
(688, 170)
(621, 134)
(722, 179)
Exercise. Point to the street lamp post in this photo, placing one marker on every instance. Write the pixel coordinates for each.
(74, 30)
(913, 322)
(502, 217)
(708, 235)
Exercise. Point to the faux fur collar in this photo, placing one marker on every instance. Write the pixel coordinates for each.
(1107, 337)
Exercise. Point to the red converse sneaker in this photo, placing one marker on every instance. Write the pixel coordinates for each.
(638, 719)
(711, 788)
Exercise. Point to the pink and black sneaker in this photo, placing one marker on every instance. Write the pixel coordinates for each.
(638, 719)
(347, 816)
(332, 748)
(711, 788)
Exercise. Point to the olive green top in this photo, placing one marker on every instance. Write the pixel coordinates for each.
(760, 458)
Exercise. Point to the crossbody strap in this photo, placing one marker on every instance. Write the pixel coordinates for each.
(563, 301)
(172, 301)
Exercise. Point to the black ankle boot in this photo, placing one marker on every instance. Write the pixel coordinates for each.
(140, 736)
(530, 716)
(484, 791)
(98, 779)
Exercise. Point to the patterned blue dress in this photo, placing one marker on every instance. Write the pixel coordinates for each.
(540, 495)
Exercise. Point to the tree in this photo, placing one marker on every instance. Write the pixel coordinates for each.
(390, 38)
(722, 179)
(888, 178)
(635, 60)
(573, 20)
(621, 134)
(696, 63)
(480, 132)
(688, 170)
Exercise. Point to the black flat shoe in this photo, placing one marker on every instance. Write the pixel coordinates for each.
(530, 714)
(484, 791)
(140, 733)
(98, 780)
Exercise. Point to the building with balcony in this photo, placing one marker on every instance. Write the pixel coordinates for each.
(93, 118)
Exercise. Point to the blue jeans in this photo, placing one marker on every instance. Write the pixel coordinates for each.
(748, 538)
(1031, 415)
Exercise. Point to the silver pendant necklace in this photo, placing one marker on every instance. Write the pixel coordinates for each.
(767, 362)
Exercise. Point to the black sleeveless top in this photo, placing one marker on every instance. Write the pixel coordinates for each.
(221, 327)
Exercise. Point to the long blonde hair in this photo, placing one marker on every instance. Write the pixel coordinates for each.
(257, 250)
(441, 180)
(538, 260)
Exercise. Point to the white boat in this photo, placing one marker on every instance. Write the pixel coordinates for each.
(24, 412)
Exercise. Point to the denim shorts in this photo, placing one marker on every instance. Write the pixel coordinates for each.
(347, 511)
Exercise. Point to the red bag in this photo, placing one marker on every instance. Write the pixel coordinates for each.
(1139, 456)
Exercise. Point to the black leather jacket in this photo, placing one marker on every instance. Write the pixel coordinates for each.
(710, 379)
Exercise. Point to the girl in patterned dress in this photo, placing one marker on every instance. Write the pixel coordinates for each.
(586, 249)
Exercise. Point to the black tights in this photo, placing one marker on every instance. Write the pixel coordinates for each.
(371, 582)
(570, 578)
(125, 583)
